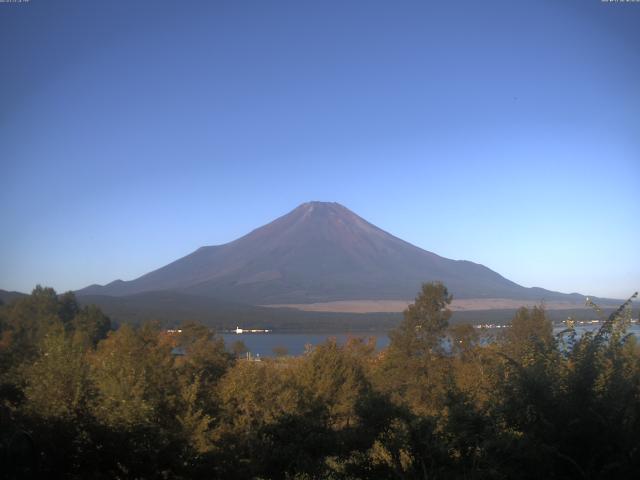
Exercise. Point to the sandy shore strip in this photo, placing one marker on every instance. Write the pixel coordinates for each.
(390, 306)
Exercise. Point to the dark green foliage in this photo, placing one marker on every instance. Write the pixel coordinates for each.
(239, 348)
(92, 323)
(570, 412)
(412, 368)
(424, 324)
(78, 400)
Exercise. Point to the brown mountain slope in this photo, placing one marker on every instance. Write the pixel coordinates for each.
(321, 252)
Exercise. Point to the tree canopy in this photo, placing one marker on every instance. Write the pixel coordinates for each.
(80, 400)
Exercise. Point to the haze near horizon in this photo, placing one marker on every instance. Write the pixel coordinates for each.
(132, 133)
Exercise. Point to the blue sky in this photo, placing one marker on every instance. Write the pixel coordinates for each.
(506, 133)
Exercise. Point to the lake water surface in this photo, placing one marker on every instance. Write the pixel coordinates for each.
(263, 344)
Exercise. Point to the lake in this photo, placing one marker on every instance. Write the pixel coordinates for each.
(262, 344)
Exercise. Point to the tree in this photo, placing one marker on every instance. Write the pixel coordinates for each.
(28, 320)
(204, 354)
(91, 323)
(136, 403)
(530, 335)
(254, 397)
(68, 308)
(57, 383)
(239, 348)
(334, 378)
(133, 377)
(204, 362)
(425, 322)
(464, 338)
(413, 366)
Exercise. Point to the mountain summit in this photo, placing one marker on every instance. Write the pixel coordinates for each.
(320, 252)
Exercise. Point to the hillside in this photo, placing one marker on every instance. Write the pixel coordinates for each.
(8, 297)
(321, 252)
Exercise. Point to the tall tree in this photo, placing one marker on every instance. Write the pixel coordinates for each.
(424, 324)
(57, 382)
(133, 376)
(413, 366)
(92, 324)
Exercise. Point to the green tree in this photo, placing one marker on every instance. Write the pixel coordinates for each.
(205, 355)
(333, 378)
(413, 369)
(199, 370)
(28, 319)
(464, 339)
(91, 323)
(530, 335)
(239, 348)
(255, 398)
(57, 382)
(134, 378)
(137, 404)
(68, 308)
(424, 324)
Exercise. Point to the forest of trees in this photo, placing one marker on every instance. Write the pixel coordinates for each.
(81, 400)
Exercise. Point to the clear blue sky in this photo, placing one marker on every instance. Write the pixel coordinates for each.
(506, 133)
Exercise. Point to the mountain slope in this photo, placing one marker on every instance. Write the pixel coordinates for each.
(173, 308)
(8, 297)
(316, 253)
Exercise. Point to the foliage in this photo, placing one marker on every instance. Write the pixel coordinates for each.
(413, 366)
(424, 324)
(78, 400)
